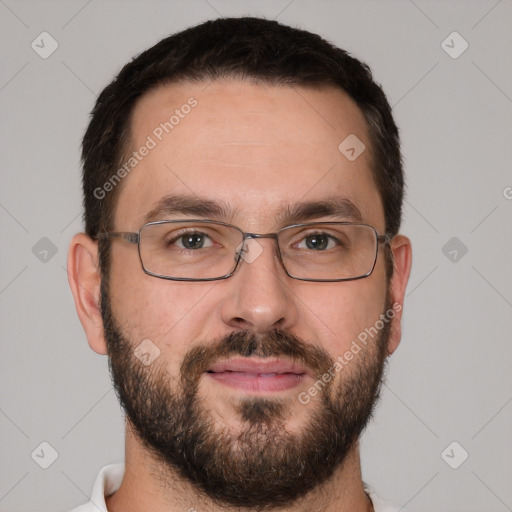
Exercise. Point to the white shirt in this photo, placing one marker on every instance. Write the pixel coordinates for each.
(110, 477)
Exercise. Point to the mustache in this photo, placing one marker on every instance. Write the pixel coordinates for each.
(245, 343)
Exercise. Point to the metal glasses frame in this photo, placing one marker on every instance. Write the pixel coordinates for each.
(134, 238)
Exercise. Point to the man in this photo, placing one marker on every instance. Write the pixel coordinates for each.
(242, 269)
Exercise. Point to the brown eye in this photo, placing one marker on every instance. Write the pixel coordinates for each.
(191, 241)
(317, 242)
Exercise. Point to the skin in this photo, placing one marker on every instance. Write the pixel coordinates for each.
(254, 147)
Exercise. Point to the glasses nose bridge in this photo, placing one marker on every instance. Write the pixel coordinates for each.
(260, 235)
(274, 236)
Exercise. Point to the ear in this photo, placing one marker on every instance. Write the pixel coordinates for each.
(84, 279)
(402, 256)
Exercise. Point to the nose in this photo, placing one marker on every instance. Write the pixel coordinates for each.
(259, 296)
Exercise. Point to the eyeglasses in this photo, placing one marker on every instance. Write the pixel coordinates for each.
(207, 250)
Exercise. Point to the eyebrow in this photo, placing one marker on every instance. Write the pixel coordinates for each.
(339, 207)
(188, 205)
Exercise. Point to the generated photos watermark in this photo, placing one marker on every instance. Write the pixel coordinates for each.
(152, 141)
(356, 346)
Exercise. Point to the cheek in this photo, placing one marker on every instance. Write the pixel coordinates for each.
(345, 310)
(168, 313)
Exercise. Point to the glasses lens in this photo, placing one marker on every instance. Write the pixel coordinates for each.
(325, 251)
(189, 250)
(328, 251)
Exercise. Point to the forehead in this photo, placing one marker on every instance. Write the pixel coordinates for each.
(254, 149)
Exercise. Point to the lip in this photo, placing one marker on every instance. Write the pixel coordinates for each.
(258, 375)
(257, 366)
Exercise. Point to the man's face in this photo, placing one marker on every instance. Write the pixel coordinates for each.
(258, 151)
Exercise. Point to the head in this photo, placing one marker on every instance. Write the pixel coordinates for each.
(245, 122)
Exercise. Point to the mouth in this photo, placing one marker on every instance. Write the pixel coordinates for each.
(257, 375)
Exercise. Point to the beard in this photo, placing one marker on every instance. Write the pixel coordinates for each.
(262, 466)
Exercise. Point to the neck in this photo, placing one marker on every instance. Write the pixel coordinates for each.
(147, 485)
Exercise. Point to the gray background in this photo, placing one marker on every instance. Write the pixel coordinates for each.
(449, 381)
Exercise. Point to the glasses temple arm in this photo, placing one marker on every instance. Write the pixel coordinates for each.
(386, 238)
(132, 238)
